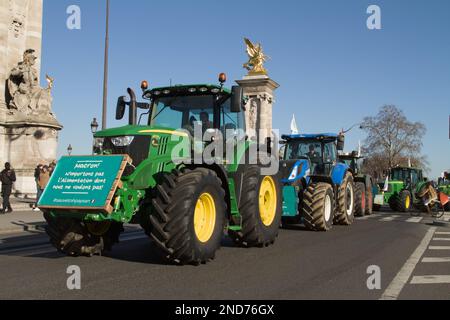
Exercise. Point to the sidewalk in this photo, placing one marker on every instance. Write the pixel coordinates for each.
(22, 218)
(20, 221)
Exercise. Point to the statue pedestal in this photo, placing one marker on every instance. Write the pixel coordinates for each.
(258, 110)
(25, 145)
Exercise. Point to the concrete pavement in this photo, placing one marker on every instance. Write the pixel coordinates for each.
(19, 221)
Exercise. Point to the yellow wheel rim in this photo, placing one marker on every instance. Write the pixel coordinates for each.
(204, 217)
(267, 201)
(407, 202)
(98, 228)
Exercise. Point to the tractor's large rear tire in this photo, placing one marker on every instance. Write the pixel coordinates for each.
(345, 213)
(261, 209)
(318, 207)
(77, 238)
(403, 201)
(188, 216)
(360, 199)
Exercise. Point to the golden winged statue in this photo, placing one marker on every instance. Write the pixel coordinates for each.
(255, 64)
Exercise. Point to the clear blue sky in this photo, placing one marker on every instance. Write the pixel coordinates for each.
(332, 70)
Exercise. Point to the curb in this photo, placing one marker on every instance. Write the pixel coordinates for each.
(24, 228)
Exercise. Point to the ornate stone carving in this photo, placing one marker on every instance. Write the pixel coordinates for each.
(27, 98)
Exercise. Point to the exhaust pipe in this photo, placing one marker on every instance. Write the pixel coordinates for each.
(132, 117)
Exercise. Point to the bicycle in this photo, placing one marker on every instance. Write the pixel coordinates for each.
(435, 206)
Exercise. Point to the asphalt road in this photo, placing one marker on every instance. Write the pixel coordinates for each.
(301, 265)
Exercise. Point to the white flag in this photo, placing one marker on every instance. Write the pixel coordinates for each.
(386, 185)
(294, 129)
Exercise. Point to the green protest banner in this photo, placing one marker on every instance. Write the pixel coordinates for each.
(84, 183)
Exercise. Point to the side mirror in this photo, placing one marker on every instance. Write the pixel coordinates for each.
(340, 142)
(237, 94)
(120, 109)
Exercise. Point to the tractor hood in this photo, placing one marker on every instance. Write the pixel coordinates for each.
(130, 130)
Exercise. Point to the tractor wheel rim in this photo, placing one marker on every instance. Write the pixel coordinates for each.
(267, 201)
(407, 202)
(327, 207)
(349, 191)
(204, 217)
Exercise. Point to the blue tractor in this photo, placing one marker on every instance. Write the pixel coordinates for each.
(318, 189)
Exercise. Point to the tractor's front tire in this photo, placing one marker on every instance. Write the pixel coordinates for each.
(77, 238)
(318, 207)
(403, 201)
(188, 216)
(345, 214)
(360, 199)
(260, 208)
(393, 202)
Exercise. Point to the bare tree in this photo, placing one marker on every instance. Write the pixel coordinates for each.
(392, 140)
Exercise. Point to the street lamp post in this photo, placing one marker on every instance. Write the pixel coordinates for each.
(105, 75)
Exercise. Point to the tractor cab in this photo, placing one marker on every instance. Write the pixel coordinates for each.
(320, 150)
(211, 107)
(353, 160)
(410, 177)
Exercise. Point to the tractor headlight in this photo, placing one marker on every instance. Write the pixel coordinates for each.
(98, 142)
(122, 141)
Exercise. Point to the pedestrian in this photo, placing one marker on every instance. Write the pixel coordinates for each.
(7, 177)
(37, 172)
(44, 176)
(52, 167)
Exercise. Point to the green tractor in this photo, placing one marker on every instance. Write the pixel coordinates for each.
(364, 184)
(444, 187)
(400, 193)
(183, 202)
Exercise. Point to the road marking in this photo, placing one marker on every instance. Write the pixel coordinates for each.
(441, 239)
(430, 280)
(439, 248)
(395, 287)
(391, 218)
(441, 233)
(433, 260)
(414, 219)
(372, 216)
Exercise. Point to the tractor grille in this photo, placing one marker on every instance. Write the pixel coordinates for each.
(138, 150)
(163, 143)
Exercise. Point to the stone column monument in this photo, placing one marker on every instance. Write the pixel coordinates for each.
(259, 89)
(28, 128)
